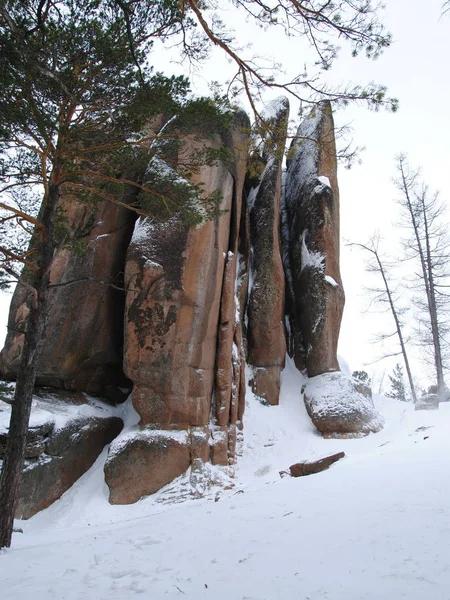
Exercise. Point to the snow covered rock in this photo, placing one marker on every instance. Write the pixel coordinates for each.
(315, 293)
(64, 441)
(427, 402)
(338, 409)
(142, 462)
(266, 338)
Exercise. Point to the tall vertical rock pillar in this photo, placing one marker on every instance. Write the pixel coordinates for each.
(334, 404)
(312, 203)
(180, 326)
(266, 337)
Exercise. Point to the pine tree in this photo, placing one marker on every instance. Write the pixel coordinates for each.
(363, 377)
(397, 384)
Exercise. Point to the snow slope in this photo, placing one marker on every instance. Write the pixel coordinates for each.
(376, 525)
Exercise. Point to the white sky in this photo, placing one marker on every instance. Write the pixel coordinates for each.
(415, 69)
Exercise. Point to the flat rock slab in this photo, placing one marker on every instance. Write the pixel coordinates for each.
(64, 440)
(311, 467)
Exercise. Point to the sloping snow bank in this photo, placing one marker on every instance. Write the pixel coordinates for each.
(375, 525)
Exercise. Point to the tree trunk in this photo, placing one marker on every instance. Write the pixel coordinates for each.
(398, 328)
(427, 276)
(21, 406)
(432, 306)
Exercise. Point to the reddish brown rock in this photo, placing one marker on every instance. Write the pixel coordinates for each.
(312, 204)
(181, 330)
(302, 469)
(229, 394)
(226, 330)
(266, 338)
(174, 280)
(64, 440)
(265, 383)
(143, 462)
(83, 338)
(83, 347)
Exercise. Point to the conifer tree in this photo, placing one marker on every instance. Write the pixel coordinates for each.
(397, 384)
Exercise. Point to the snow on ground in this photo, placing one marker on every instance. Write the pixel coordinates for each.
(374, 526)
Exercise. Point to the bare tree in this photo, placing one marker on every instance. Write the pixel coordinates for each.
(387, 295)
(428, 246)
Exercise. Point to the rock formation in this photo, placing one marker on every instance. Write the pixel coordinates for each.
(312, 204)
(67, 433)
(84, 348)
(316, 295)
(174, 297)
(181, 331)
(84, 332)
(266, 337)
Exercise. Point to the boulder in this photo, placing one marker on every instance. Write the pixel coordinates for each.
(64, 441)
(312, 214)
(143, 461)
(302, 469)
(266, 338)
(427, 402)
(338, 409)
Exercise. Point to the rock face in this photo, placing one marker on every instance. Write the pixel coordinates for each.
(85, 352)
(172, 294)
(84, 329)
(312, 205)
(266, 338)
(64, 440)
(315, 293)
(182, 330)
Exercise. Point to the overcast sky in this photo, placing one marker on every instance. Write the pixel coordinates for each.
(415, 69)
